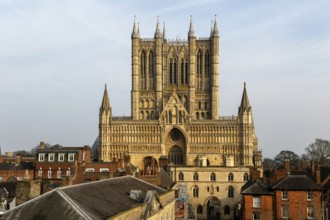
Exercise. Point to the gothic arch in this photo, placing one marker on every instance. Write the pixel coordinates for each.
(175, 146)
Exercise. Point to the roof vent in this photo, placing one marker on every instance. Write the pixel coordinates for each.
(136, 194)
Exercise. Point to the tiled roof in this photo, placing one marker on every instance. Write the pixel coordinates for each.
(21, 166)
(296, 182)
(256, 187)
(95, 200)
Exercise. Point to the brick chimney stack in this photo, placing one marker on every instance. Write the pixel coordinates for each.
(18, 159)
(318, 174)
(41, 145)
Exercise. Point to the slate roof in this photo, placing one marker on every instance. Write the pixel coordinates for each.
(296, 182)
(256, 187)
(94, 200)
(21, 166)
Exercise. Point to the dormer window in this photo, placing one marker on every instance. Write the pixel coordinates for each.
(41, 157)
(71, 157)
(51, 157)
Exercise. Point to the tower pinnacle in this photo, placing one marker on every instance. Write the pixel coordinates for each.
(135, 32)
(215, 28)
(164, 31)
(105, 106)
(158, 32)
(191, 32)
(245, 99)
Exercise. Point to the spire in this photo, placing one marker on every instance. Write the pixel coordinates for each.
(191, 32)
(211, 32)
(157, 32)
(245, 99)
(138, 30)
(135, 32)
(164, 31)
(105, 101)
(215, 28)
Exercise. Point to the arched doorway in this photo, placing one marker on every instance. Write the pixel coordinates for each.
(150, 166)
(213, 208)
(175, 147)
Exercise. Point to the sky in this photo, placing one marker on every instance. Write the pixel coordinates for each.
(56, 57)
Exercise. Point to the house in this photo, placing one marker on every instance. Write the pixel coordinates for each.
(118, 198)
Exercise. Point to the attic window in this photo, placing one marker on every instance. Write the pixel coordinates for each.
(89, 170)
(104, 169)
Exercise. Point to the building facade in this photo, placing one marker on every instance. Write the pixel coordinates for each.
(175, 120)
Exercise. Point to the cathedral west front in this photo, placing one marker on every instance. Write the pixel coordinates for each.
(175, 122)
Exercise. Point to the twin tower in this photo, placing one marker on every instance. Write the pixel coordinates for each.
(175, 108)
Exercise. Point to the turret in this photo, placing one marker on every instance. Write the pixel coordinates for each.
(158, 33)
(192, 69)
(105, 108)
(104, 126)
(135, 36)
(158, 66)
(245, 109)
(215, 69)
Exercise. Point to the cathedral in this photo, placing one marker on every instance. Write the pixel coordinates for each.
(176, 123)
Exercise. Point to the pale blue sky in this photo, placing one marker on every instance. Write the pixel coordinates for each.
(56, 56)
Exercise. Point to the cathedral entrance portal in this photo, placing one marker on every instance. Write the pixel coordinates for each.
(150, 166)
(176, 147)
(213, 208)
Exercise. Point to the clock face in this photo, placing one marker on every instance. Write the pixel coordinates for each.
(175, 135)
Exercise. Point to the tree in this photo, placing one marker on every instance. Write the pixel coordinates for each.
(269, 164)
(23, 153)
(289, 156)
(319, 151)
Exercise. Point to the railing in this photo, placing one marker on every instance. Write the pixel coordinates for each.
(147, 39)
(203, 38)
(119, 118)
(228, 117)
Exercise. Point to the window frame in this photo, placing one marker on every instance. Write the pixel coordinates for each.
(310, 196)
(231, 192)
(71, 157)
(51, 155)
(181, 176)
(59, 173)
(310, 212)
(256, 202)
(195, 177)
(285, 195)
(285, 211)
(50, 173)
(195, 192)
(230, 177)
(256, 216)
(213, 177)
(59, 157)
(41, 157)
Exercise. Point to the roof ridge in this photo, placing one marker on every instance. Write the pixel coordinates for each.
(72, 203)
(164, 190)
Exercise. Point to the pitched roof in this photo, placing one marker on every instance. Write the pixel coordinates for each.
(94, 200)
(21, 166)
(296, 182)
(256, 187)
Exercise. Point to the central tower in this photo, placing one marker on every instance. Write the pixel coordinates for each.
(162, 67)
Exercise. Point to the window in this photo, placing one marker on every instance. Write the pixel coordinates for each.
(213, 177)
(51, 157)
(227, 210)
(89, 170)
(230, 192)
(230, 177)
(218, 188)
(246, 177)
(195, 176)
(49, 173)
(256, 216)
(59, 173)
(256, 201)
(181, 177)
(61, 157)
(84, 156)
(310, 212)
(310, 195)
(104, 170)
(284, 195)
(40, 172)
(71, 157)
(195, 192)
(285, 211)
(41, 157)
(68, 172)
(200, 209)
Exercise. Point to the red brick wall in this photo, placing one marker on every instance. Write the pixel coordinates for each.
(265, 210)
(297, 202)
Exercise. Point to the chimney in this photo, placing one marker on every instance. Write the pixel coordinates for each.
(313, 168)
(318, 174)
(18, 159)
(41, 145)
(287, 165)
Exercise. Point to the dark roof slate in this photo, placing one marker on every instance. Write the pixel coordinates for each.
(296, 182)
(21, 166)
(256, 187)
(94, 200)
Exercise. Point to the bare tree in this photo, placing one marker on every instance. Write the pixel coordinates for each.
(319, 151)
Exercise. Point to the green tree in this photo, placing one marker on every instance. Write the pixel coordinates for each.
(319, 151)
